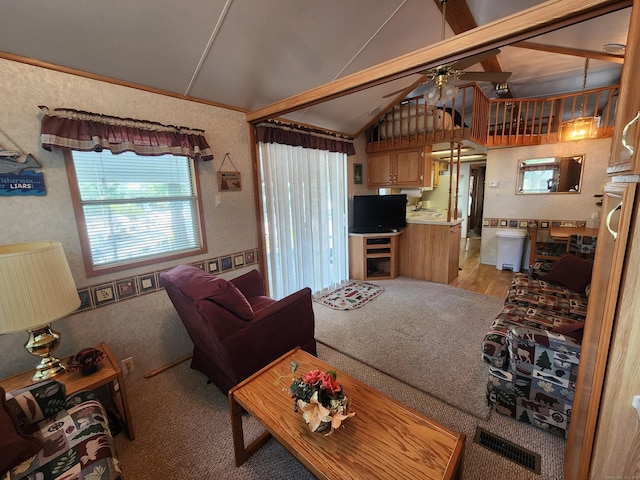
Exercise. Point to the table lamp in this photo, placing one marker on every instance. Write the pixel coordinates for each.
(36, 288)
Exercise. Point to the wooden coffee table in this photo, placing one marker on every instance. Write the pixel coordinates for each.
(383, 440)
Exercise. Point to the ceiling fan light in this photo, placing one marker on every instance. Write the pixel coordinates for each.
(448, 92)
(432, 96)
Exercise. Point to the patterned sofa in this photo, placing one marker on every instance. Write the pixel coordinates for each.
(533, 346)
(45, 435)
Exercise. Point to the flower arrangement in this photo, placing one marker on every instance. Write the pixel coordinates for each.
(321, 399)
(85, 361)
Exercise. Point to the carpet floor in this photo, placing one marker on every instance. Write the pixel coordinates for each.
(426, 334)
(183, 431)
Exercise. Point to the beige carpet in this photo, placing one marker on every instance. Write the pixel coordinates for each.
(183, 431)
(426, 334)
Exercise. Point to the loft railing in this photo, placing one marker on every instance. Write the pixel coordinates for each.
(412, 122)
(539, 120)
(498, 122)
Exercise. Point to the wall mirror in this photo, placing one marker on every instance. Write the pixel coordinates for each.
(550, 175)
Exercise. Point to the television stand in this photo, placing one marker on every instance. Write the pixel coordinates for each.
(373, 256)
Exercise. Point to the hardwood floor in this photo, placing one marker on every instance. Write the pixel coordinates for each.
(478, 277)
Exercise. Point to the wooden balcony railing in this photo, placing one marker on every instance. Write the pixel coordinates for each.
(412, 122)
(498, 122)
(538, 120)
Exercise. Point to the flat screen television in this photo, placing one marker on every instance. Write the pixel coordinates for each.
(379, 213)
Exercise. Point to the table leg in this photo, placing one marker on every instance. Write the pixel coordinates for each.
(241, 452)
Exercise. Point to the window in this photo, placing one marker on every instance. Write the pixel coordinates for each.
(134, 210)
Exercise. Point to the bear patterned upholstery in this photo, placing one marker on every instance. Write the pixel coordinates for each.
(74, 433)
(533, 351)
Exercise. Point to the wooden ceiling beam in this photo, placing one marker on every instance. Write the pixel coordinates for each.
(592, 54)
(460, 19)
(542, 18)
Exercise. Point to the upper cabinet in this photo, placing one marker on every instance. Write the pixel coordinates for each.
(409, 167)
(625, 154)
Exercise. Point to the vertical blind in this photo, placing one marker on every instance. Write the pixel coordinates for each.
(305, 218)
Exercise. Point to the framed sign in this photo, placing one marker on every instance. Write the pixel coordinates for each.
(228, 181)
(357, 173)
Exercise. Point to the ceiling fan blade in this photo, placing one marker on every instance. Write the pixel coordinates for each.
(495, 77)
(395, 93)
(405, 89)
(473, 59)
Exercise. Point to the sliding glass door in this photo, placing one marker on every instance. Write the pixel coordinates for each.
(305, 218)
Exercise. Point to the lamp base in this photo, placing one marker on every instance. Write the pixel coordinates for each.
(42, 342)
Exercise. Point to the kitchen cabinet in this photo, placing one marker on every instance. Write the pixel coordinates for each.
(373, 256)
(410, 167)
(622, 160)
(430, 251)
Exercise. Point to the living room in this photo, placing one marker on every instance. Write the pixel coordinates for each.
(146, 326)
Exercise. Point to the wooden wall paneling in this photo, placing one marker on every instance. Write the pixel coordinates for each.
(605, 284)
(616, 451)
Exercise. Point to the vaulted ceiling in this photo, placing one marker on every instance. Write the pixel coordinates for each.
(247, 54)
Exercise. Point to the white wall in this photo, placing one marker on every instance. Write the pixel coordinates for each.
(502, 202)
(144, 327)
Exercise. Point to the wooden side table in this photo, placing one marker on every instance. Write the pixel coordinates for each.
(109, 373)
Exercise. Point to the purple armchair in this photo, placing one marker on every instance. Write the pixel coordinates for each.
(236, 330)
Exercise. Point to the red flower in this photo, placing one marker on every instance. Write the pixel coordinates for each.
(329, 383)
(313, 377)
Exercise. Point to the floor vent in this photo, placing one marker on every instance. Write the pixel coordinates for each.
(511, 451)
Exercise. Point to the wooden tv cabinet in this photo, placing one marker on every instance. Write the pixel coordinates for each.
(373, 256)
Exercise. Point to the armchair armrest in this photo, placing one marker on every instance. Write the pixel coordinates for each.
(544, 356)
(251, 284)
(36, 402)
(272, 332)
(530, 336)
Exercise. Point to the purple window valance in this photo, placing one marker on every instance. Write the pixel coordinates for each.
(85, 131)
(272, 132)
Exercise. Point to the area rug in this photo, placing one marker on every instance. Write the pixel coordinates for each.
(428, 335)
(350, 296)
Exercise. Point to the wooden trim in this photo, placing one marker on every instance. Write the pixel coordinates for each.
(257, 205)
(81, 225)
(113, 81)
(543, 18)
(576, 52)
(169, 365)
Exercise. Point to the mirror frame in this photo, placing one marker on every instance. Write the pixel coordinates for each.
(579, 159)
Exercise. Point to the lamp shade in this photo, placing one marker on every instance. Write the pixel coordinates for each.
(36, 285)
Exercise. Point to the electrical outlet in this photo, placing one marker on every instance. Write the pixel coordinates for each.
(127, 365)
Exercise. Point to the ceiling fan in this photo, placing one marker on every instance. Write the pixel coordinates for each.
(442, 90)
(441, 75)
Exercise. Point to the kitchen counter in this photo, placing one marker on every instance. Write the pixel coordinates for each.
(431, 216)
(429, 249)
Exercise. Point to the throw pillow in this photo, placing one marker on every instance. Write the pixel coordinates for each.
(227, 295)
(15, 446)
(571, 272)
(568, 327)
